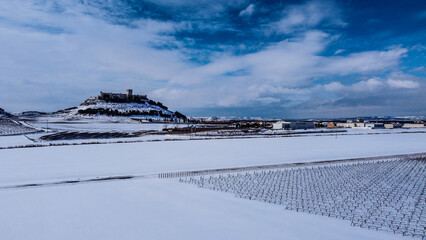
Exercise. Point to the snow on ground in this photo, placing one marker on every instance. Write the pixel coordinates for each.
(158, 209)
(64, 162)
(63, 122)
(353, 131)
(66, 122)
(11, 127)
(143, 138)
(150, 208)
(383, 130)
(381, 195)
(18, 140)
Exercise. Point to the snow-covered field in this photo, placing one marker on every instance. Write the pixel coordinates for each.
(382, 195)
(158, 209)
(11, 127)
(63, 122)
(18, 140)
(39, 164)
(75, 129)
(149, 208)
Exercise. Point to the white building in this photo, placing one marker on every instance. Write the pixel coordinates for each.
(345, 125)
(360, 125)
(278, 125)
(414, 125)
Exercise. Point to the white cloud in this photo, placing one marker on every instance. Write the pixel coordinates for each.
(363, 62)
(283, 71)
(308, 15)
(401, 80)
(100, 56)
(247, 12)
(290, 64)
(267, 100)
(402, 83)
(338, 51)
(88, 54)
(334, 87)
(394, 80)
(68, 55)
(419, 69)
(375, 85)
(370, 85)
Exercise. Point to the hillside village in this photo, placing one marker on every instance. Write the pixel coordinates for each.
(359, 123)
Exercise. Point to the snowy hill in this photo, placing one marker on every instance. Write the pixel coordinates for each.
(4, 114)
(117, 104)
(32, 113)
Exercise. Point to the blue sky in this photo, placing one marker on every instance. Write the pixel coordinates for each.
(282, 59)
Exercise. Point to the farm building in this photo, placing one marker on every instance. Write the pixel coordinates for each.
(278, 125)
(414, 125)
(345, 125)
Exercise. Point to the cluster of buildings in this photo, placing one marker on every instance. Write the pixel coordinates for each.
(359, 124)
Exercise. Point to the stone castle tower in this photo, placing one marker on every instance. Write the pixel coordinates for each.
(129, 93)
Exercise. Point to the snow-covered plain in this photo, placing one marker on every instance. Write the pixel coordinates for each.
(18, 140)
(11, 127)
(64, 122)
(158, 209)
(381, 195)
(149, 208)
(64, 162)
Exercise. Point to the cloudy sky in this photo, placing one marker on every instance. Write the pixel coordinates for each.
(285, 59)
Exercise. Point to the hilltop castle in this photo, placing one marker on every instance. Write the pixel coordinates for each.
(121, 96)
(127, 104)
